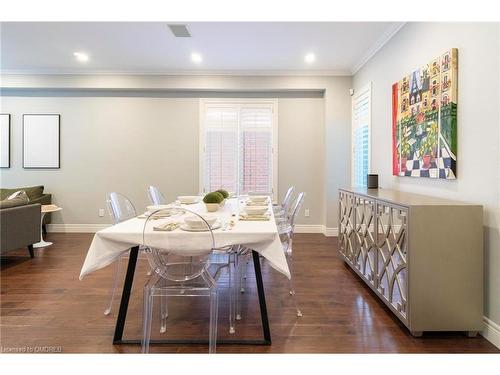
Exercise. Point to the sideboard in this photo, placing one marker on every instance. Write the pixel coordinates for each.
(422, 256)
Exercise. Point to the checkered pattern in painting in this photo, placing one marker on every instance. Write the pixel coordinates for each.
(441, 167)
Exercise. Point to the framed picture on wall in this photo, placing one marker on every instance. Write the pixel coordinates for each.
(41, 141)
(4, 140)
(424, 120)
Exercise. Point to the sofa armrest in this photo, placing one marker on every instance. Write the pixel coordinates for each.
(20, 226)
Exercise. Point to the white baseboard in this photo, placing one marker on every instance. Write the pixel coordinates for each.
(308, 228)
(328, 232)
(331, 232)
(491, 331)
(75, 228)
(92, 228)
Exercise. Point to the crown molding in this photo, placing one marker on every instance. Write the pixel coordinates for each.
(377, 46)
(180, 72)
(387, 35)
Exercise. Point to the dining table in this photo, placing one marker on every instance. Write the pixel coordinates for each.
(260, 236)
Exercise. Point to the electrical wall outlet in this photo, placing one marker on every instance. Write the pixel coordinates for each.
(101, 212)
(306, 212)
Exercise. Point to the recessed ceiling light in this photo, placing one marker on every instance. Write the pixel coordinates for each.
(310, 57)
(81, 56)
(196, 58)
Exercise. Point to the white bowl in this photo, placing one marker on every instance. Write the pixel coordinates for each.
(196, 222)
(188, 199)
(255, 210)
(258, 198)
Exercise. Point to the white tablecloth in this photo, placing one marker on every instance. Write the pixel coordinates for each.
(262, 236)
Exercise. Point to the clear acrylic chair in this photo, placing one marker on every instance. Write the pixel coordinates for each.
(282, 213)
(155, 196)
(220, 259)
(180, 267)
(120, 208)
(227, 258)
(281, 209)
(286, 227)
(242, 260)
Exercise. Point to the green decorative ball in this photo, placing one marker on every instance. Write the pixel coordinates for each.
(213, 197)
(224, 193)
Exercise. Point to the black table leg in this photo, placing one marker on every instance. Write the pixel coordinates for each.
(127, 288)
(262, 298)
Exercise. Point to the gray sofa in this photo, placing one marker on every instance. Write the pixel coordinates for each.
(35, 195)
(20, 227)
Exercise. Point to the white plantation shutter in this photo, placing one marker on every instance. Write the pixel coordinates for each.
(256, 157)
(221, 149)
(361, 123)
(238, 149)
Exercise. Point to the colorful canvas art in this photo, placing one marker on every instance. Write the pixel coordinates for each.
(424, 120)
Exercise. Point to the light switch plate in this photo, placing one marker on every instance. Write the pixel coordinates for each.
(101, 212)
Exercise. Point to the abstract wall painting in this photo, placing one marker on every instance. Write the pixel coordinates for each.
(424, 120)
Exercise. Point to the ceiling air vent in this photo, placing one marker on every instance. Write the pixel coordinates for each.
(180, 31)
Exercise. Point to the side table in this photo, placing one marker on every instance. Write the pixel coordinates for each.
(46, 208)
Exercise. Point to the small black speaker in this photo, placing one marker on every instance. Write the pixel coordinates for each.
(372, 181)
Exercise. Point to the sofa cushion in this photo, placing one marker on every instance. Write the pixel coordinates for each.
(14, 202)
(33, 192)
(19, 194)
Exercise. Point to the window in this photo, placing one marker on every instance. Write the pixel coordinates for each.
(238, 145)
(361, 124)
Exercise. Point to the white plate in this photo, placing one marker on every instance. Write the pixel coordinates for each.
(187, 228)
(157, 215)
(258, 198)
(195, 221)
(188, 199)
(151, 209)
(256, 210)
(259, 203)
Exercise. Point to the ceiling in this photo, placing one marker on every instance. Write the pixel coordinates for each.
(226, 48)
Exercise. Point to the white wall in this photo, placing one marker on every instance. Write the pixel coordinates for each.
(109, 144)
(127, 143)
(478, 165)
(312, 133)
(302, 154)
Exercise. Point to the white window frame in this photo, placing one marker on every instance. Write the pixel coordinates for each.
(357, 93)
(231, 103)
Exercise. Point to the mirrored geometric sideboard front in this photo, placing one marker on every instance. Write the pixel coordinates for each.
(422, 256)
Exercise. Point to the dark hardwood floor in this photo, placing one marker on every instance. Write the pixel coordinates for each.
(43, 304)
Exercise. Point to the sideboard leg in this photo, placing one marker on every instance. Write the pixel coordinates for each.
(472, 333)
(416, 333)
